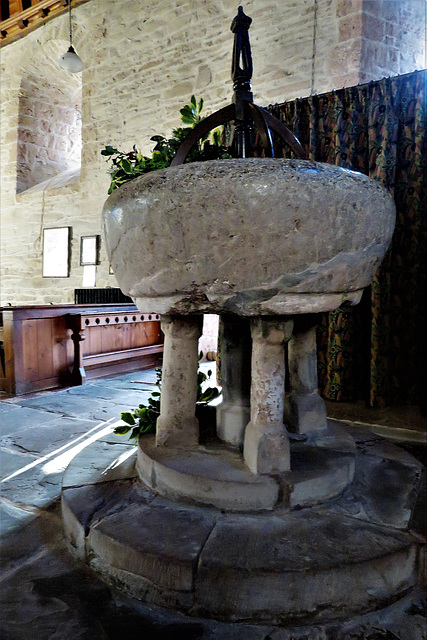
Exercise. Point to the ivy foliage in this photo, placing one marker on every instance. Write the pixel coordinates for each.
(128, 166)
(142, 420)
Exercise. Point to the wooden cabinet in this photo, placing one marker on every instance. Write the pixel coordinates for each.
(53, 346)
(37, 349)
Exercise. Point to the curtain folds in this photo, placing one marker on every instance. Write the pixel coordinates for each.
(377, 350)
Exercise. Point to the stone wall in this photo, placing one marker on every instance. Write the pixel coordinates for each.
(144, 59)
(377, 38)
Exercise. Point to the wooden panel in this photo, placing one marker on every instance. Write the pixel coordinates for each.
(7, 383)
(126, 336)
(2, 367)
(29, 386)
(141, 335)
(29, 369)
(135, 335)
(15, 6)
(62, 347)
(119, 337)
(86, 344)
(95, 340)
(44, 347)
(152, 332)
(107, 339)
(138, 335)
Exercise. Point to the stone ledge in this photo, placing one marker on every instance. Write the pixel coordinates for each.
(214, 475)
(211, 476)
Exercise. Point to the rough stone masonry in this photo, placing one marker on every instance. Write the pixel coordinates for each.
(143, 60)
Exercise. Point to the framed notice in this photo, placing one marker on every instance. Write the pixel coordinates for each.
(89, 250)
(89, 275)
(56, 252)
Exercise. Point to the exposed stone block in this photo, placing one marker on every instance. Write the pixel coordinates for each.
(350, 27)
(345, 58)
(145, 546)
(306, 412)
(373, 28)
(295, 559)
(204, 77)
(345, 7)
(180, 90)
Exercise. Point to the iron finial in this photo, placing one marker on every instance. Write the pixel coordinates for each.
(242, 54)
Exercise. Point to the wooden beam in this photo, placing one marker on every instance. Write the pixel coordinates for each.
(21, 22)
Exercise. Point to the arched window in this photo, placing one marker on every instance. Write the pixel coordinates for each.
(49, 123)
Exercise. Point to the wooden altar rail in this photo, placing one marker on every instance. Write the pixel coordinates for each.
(61, 345)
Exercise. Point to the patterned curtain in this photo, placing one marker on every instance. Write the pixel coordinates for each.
(377, 350)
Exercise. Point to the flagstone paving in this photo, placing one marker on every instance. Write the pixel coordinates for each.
(45, 593)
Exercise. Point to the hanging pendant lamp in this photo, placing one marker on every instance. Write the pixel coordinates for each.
(70, 61)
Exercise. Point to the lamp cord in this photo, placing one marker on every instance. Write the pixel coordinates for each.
(313, 55)
(71, 32)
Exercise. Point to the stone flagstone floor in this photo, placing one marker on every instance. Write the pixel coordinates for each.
(45, 594)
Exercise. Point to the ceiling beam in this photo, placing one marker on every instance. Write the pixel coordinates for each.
(22, 22)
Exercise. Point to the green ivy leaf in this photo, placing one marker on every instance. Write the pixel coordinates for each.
(109, 151)
(187, 115)
(208, 395)
(135, 433)
(127, 417)
(126, 165)
(141, 411)
(122, 430)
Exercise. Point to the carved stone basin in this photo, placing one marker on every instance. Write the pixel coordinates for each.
(247, 236)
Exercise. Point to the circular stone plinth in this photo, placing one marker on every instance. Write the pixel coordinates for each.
(257, 236)
(214, 475)
(349, 555)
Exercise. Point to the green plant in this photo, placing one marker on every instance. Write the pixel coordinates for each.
(128, 166)
(142, 420)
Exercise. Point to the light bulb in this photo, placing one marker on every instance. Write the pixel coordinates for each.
(71, 62)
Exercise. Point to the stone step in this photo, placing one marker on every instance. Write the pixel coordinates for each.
(277, 567)
(214, 475)
(302, 566)
(261, 567)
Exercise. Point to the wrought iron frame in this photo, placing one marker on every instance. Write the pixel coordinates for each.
(242, 111)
